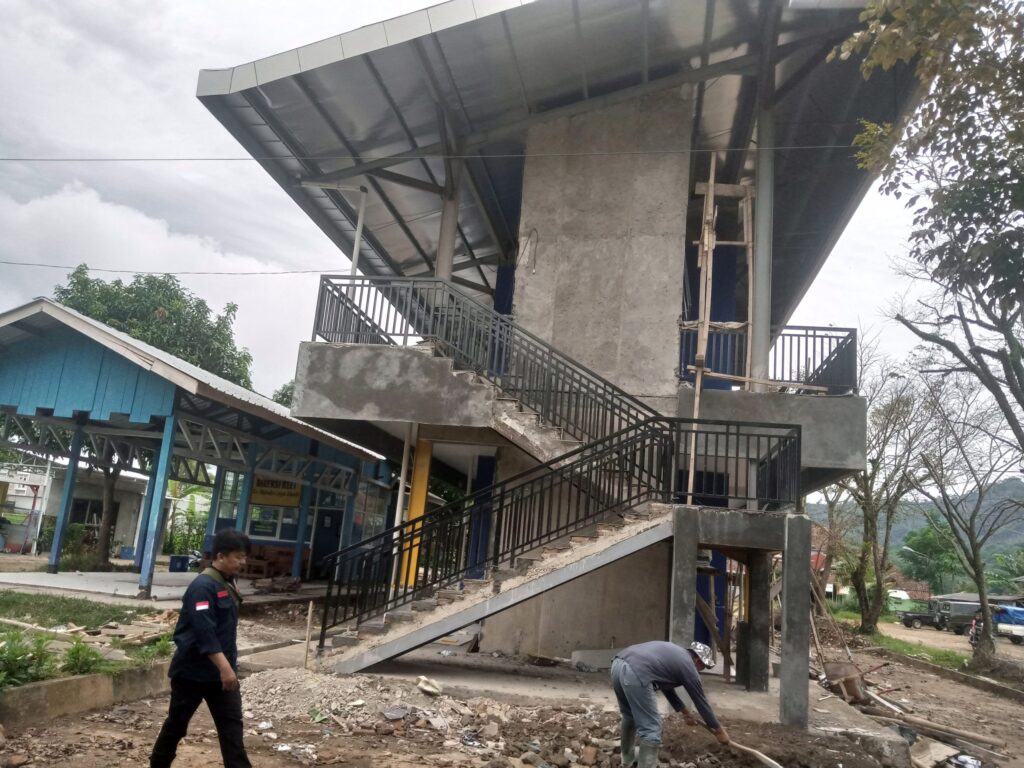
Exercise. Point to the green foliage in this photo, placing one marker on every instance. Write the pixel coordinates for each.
(1005, 569)
(22, 661)
(958, 156)
(285, 394)
(164, 646)
(948, 659)
(81, 658)
(927, 555)
(159, 311)
(188, 525)
(52, 610)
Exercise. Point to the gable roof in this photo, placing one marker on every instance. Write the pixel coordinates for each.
(36, 317)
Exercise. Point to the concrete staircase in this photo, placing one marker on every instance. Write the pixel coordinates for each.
(447, 610)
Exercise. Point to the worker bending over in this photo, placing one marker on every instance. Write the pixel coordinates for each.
(637, 672)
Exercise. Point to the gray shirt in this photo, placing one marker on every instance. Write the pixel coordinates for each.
(666, 666)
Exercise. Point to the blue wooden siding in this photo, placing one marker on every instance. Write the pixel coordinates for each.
(67, 372)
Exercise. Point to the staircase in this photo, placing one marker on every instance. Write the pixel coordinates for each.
(582, 508)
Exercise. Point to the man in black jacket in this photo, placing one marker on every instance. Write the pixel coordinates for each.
(205, 663)
(640, 670)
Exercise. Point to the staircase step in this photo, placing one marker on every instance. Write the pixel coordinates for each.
(609, 527)
(344, 640)
(448, 595)
(403, 614)
(427, 604)
(373, 627)
(555, 549)
(476, 583)
(581, 539)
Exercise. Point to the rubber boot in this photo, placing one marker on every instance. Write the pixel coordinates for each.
(627, 736)
(647, 754)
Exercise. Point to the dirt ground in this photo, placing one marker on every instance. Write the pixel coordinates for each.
(368, 722)
(947, 640)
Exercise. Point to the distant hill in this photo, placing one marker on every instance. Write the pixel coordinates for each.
(911, 518)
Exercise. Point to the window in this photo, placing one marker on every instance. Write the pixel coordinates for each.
(371, 510)
(265, 522)
(232, 489)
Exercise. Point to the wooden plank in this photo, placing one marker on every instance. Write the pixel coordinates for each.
(711, 623)
(724, 190)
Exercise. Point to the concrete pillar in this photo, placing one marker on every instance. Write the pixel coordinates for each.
(796, 608)
(245, 493)
(683, 599)
(760, 330)
(161, 473)
(66, 500)
(759, 620)
(449, 222)
(140, 540)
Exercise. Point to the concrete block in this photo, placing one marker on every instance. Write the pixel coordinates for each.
(597, 659)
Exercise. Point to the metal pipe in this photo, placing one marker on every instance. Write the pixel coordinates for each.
(357, 239)
(760, 326)
(45, 502)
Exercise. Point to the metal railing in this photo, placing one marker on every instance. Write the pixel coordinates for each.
(756, 465)
(818, 357)
(412, 311)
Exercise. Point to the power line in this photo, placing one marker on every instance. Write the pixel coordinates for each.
(169, 272)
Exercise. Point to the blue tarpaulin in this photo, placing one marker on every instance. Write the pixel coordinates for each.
(1004, 614)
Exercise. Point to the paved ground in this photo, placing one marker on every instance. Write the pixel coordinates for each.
(947, 641)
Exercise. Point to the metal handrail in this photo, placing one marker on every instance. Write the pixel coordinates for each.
(750, 462)
(408, 311)
(801, 354)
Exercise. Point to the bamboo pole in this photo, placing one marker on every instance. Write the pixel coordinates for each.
(309, 630)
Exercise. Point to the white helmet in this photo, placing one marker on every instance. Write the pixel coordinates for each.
(703, 653)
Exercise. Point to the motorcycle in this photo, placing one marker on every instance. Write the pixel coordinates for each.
(195, 560)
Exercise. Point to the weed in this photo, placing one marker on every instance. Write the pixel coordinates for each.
(52, 610)
(164, 647)
(948, 659)
(81, 658)
(23, 662)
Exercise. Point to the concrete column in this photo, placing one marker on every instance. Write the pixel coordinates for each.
(764, 206)
(245, 493)
(161, 472)
(796, 607)
(140, 540)
(683, 599)
(67, 499)
(759, 619)
(449, 222)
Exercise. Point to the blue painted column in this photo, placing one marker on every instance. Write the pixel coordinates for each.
(211, 520)
(304, 503)
(140, 541)
(480, 518)
(159, 478)
(66, 499)
(245, 494)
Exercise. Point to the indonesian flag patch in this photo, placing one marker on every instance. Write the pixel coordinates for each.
(203, 606)
(223, 593)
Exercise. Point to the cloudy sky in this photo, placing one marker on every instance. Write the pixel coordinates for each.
(117, 79)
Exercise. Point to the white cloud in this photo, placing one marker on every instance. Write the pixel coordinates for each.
(76, 225)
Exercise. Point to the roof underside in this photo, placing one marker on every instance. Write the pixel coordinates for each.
(367, 108)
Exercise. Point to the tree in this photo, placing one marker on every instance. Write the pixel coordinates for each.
(965, 458)
(958, 161)
(926, 555)
(159, 311)
(284, 394)
(1006, 569)
(841, 520)
(896, 432)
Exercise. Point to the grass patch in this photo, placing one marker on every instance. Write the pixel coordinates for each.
(843, 615)
(948, 659)
(52, 610)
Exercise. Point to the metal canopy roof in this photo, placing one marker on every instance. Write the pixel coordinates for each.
(367, 108)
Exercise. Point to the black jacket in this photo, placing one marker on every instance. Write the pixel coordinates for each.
(208, 624)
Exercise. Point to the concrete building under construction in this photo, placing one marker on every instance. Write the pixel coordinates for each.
(578, 231)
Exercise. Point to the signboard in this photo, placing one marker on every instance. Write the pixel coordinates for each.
(271, 492)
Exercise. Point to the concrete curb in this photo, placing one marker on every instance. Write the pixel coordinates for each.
(989, 686)
(34, 703)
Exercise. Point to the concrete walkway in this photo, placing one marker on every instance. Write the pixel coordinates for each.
(121, 587)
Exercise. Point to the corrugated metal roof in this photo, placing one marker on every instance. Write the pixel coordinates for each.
(493, 68)
(183, 374)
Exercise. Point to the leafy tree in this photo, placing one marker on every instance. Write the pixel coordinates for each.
(1006, 569)
(958, 162)
(926, 555)
(159, 311)
(284, 394)
(964, 460)
(897, 431)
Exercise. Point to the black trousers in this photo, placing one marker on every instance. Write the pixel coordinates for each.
(226, 709)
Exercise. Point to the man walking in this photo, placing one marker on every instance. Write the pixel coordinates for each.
(205, 663)
(637, 672)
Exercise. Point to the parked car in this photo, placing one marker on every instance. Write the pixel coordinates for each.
(918, 619)
(956, 616)
(1009, 622)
